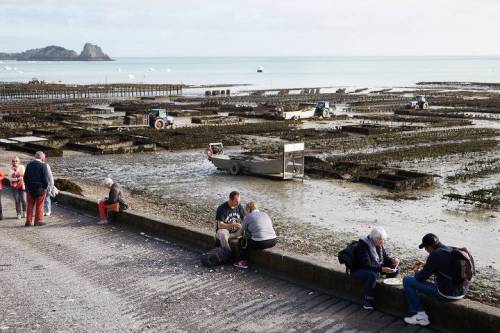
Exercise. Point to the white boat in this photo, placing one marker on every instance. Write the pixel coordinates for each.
(260, 69)
(287, 165)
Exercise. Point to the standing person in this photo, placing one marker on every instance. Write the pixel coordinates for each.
(16, 178)
(447, 288)
(228, 219)
(258, 233)
(50, 189)
(371, 261)
(113, 203)
(36, 180)
(2, 176)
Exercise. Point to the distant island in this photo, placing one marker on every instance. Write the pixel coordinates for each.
(90, 52)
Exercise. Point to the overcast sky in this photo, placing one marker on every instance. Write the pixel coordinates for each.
(255, 28)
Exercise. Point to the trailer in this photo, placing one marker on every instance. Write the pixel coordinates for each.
(286, 165)
(320, 109)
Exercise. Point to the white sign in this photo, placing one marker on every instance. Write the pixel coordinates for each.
(294, 147)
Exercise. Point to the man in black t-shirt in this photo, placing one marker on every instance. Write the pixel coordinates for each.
(228, 218)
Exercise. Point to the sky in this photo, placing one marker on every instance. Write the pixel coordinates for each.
(153, 28)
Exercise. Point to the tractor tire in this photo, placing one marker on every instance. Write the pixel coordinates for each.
(234, 169)
(425, 106)
(159, 124)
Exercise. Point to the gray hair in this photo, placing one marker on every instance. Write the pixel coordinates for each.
(108, 181)
(377, 233)
(251, 206)
(39, 155)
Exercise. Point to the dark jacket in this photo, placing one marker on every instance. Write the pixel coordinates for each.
(36, 178)
(115, 195)
(439, 264)
(364, 259)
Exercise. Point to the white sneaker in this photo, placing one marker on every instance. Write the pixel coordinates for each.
(19, 216)
(48, 214)
(418, 319)
(102, 222)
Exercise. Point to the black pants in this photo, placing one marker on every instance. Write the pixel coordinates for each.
(1, 213)
(256, 245)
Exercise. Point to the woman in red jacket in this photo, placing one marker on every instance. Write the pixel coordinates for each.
(16, 178)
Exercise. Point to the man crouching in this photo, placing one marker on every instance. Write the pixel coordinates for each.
(228, 218)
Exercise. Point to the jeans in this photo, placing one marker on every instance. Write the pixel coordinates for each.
(1, 212)
(20, 200)
(47, 204)
(411, 286)
(369, 279)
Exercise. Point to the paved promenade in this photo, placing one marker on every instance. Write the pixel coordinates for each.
(75, 276)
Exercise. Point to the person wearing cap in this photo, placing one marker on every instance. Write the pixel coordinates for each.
(439, 264)
(371, 261)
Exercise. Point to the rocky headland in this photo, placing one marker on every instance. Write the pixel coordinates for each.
(90, 52)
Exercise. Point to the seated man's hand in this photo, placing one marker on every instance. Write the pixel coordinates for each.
(418, 265)
(234, 227)
(387, 270)
(395, 262)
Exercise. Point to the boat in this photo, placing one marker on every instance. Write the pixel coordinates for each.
(260, 69)
(289, 164)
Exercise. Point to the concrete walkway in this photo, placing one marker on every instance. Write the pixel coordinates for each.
(75, 276)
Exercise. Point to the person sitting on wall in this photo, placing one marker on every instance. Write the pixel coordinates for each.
(258, 233)
(371, 261)
(439, 263)
(113, 203)
(228, 220)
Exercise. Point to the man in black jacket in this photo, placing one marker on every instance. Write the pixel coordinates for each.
(439, 264)
(36, 179)
(371, 261)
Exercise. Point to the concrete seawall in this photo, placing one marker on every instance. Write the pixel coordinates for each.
(461, 316)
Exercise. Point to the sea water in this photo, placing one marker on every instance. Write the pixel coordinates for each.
(278, 72)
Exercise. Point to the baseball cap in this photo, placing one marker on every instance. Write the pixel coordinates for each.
(429, 240)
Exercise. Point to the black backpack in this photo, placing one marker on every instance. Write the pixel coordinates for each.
(216, 257)
(347, 256)
(463, 268)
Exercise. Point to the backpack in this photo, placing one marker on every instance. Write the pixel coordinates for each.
(216, 257)
(463, 268)
(347, 256)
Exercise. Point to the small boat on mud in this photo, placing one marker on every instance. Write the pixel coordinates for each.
(289, 164)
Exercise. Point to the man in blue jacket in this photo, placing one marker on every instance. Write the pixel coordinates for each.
(439, 264)
(36, 179)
